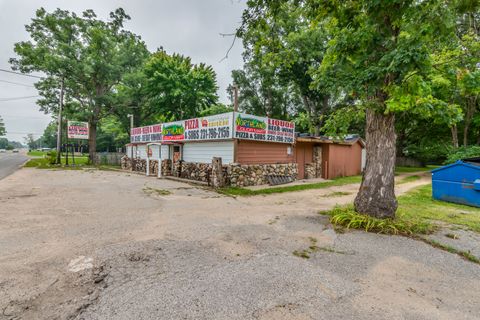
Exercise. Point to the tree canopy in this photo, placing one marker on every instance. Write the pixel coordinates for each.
(370, 62)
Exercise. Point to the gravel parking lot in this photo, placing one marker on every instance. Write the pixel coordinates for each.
(112, 245)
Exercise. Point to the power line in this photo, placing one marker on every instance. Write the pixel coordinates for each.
(17, 83)
(17, 98)
(20, 74)
(6, 116)
(16, 132)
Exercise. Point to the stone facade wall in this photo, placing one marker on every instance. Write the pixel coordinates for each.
(314, 169)
(255, 174)
(167, 167)
(234, 174)
(140, 165)
(196, 171)
(310, 170)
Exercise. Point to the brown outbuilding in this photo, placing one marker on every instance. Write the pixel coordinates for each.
(319, 157)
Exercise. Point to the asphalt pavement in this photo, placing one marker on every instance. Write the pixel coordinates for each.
(10, 162)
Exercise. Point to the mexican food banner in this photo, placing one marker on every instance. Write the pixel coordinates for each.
(263, 129)
(77, 130)
(218, 127)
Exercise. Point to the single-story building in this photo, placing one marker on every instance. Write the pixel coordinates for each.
(327, 158)
(252, 150)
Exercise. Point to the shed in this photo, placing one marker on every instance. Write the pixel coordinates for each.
(328, 158)
(458, 182)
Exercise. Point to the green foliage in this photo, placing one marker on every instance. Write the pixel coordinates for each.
(111, 135)
(52, 157)
(30, 141)
(348, 218)
(2, 127)
(462, 153)
(177, 87)
(88, 55)
(216, 109)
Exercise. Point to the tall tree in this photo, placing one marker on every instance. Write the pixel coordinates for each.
(89, 55)
(178, 88)
(282, 46)
(2, 127)
(379, 51)
(264, 95)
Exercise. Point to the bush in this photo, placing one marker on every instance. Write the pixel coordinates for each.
(462, 153)
(52, 157)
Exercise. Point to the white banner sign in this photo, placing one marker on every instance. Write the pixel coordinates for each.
(218, 127)
(151, 133)
(77, 130)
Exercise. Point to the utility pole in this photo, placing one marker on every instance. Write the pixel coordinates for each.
(235, 97)
(59, 129)
(131, 142)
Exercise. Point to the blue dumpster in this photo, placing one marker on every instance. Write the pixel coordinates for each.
(458, 182)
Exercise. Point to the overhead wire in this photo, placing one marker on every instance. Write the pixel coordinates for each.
(17, 83)
(17, 98)
(21, 74)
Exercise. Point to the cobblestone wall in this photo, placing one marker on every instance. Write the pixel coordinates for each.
(235, 174)
(255, 174)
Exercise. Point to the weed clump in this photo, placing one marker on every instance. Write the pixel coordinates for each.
(346, 216)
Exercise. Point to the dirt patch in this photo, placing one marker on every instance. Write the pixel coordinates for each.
(198, 255)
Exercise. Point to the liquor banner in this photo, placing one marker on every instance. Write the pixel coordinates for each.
(77, 130)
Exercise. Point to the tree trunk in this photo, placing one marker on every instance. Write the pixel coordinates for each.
(471, 106)
(376, 196)
(92, 140)
(454, 135)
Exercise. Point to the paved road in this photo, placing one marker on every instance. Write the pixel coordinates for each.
(10, 162)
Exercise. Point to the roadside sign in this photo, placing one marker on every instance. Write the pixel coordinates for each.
(77, 130)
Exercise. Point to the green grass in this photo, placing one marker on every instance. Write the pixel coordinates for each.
(44, 163)
(35, 153)
(236, 191)
(346, 216)
(414, 169)
(419, 204)
(408, 179)
(464, 254)
(417, 213)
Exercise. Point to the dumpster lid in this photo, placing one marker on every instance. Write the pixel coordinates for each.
(474, 161)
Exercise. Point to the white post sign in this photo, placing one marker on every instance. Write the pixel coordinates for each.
(77, 130)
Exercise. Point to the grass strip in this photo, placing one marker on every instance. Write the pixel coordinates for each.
(236, 191)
